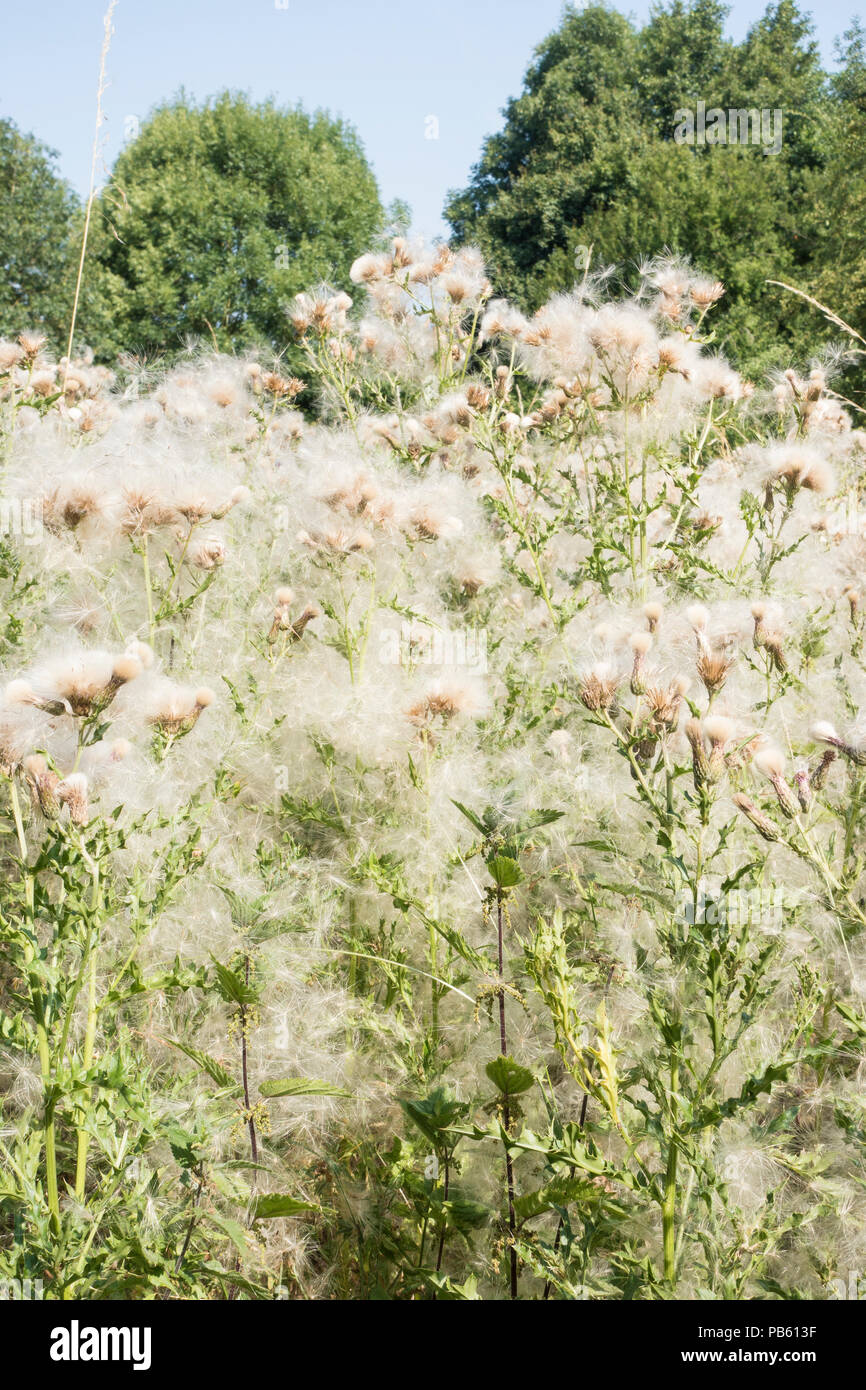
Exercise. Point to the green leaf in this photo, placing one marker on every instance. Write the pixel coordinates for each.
(235, 1232)
(244, 914)
(277, 1204)
(470, 816)
(561, 1192)
(232, 987)
(857, 1022)
(505, 872)
(510, 1078)
(299, 1086)
(184, 1146)
(457, 942)
(437, 1112)
(207, 1064)
(464, 1214)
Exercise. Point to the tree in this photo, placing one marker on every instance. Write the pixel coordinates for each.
(217, 215)
(587, 156)
(38, 222)
(836, 195)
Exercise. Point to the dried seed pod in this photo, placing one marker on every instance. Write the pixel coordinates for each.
(640, 643)
(43, 784)
(762, 823)
(598, 689)
(700, 762)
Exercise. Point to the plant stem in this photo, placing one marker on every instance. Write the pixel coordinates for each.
(670, 1195)
(441, 1249)
(49, 1139)
(89, 1040)
(254, 1149)
(145, 560)
(506, 1110)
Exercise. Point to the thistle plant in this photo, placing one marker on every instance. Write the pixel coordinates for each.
(344, 956)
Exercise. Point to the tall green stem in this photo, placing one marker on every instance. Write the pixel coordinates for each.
(670, 1193)
(49, 1134)
(82, 1137)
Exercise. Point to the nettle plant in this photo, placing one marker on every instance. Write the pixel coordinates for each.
(336, 961)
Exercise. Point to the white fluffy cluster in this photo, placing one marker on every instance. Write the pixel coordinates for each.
(328, 631)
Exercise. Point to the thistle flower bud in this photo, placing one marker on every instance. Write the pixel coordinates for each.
(298, 626)
(759, 613)
(502, 384)
(178, 709)
(72, 793)
(124, 670)
(653, 614)
(762, 823)
(283, 598)
(698, 616)
(818, 775)
(209, 554)
(19, 693)
(43, 785)
(640, 643)
(31, 345)
(700, 762)
(719, 731)
(704, 293)
(713, 668)
(771, 762)
(664, 706)
(765, 640)
(804, 789)
(823, 732)
(598, 689)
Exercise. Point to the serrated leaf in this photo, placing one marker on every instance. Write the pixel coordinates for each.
(505, 872)
(465, 1214)
(561, 1192)
(232, 987)
(299, 1086)
(437, 1112)
(470, 816)
(275, 1204)
(235, 1232)
(208, 1064)
(509, 1077)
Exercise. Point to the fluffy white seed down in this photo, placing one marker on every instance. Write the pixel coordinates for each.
(328, 696)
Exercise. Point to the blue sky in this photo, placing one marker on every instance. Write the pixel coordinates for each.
(386, 65)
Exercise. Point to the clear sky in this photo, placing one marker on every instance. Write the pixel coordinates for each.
(385, 65)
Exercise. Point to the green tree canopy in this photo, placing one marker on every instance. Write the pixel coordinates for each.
(38, 219)
(216, 215)
(836, 192)
(587, 156)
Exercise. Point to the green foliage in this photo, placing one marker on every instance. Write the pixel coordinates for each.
(217, 215)
(587, 159)
(38, 219)
(836, 192)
